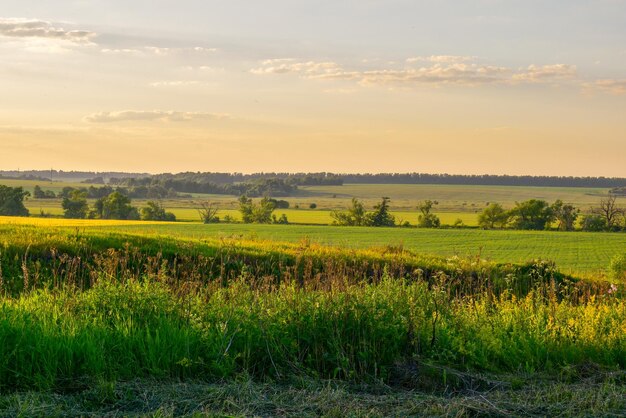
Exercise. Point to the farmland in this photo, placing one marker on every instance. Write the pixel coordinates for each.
(586, 254)
(455, 202)
(177, 318)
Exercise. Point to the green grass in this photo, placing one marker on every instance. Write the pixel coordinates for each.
(451, 197)
(578, 252)
(97, 321)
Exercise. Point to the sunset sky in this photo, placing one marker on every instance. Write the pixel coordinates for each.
(475, 86)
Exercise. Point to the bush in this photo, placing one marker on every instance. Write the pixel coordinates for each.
(617, 268)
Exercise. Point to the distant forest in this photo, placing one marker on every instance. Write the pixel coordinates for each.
(284, 183)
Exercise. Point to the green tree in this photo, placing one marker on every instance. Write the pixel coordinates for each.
(38, 193)
(115, 206)
(12, 201)
(381, 216)
(565, 215)
(593, 223)
(532, 214)
(493, 216)
(154, 211)
(75, 206)
(354, 216)
(282, 220)
(426, 219)
(260, 213)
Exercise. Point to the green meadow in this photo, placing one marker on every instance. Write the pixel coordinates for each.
(106, 317)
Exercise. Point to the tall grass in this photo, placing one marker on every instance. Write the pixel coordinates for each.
(82, 307)
(136, 329)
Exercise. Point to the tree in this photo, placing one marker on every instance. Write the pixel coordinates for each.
(427, 219)
(115, 206)
(208, 212)
(565, 215)
(381, 215)
(75, 206)
(280, 204)
(532, 214)
(610, 212)
(39, 193)
(493, 216)
(154, 211)
(260, 213)
(593, 223)
(282, 220)
(12, 201)
(354, 216)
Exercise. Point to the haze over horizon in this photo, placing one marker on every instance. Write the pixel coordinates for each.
(473, 87)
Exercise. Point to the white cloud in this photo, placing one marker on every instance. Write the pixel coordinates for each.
(546, 73)
(152, 115)
(290, 65)
(33, 28)
(436, 70)
(461, 74)
(157, 50)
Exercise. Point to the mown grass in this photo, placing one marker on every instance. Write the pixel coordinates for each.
(314, 398)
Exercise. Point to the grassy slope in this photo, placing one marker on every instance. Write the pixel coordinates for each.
(100, 350)
(575, 253)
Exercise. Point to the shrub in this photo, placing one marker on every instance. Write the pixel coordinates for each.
(617, 268)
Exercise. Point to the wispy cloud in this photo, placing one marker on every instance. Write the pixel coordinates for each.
(158, 50)
(546, 73)
(612, 86)
(434, 70)
(33, 28)
(176, 83)
(152, 115)
(442, 59)
(290, 65)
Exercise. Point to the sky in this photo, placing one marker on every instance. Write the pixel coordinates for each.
(439, 86)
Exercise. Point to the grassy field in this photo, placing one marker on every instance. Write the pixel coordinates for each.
(118, 319)
(579, 253)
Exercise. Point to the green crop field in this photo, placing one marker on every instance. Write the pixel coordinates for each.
(583, 253)
(573, 252)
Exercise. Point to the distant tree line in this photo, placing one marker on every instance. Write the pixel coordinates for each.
(535, 214)
(482, 180)
(115, 205)
(93, 192)
(193, 183)
(48, 175)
